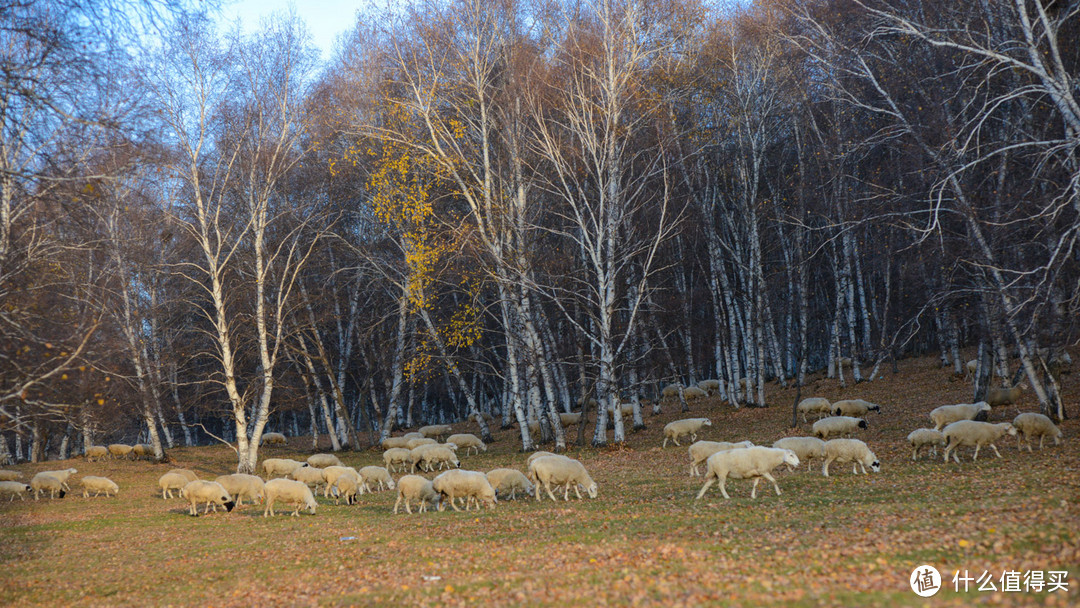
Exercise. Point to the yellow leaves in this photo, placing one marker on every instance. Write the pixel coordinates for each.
(963, 543)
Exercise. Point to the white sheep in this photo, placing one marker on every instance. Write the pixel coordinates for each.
(324, 460)
(560, 470)
(415, 488)
(142, 450)
(746, 463)
(540, 454)
(288, 491)
(10, 475)
(208, 492)
(171, 481)
(14, 488)
(42, 482)
(1004, 396)
(96, 452)
(509, 481)
(333, 473)
(187, 474)
(814, 405)
(312, 476)
(97, 485)
(413, 435)
(467, 441)
(1030, 424)
(671, 390)
(709, 386)
(837, 425)
(347, 487)
(119, 450)
(369, 476)
(435, 430)
(682, 428)
(974, 433)
(63, 475)
(439, 455)
(570, 419)
(281, 466)
(274, 439)
(856, 408)
(972, 367)
(470, 485)
(921, 438)
(396, 456)
(850, 450)
(394, 442)
(947, 414)
(701, 450)
(414, 443)
(691, 393)
(242, 486)
(806, 448)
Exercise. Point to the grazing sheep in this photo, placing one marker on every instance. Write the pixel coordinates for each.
(671, 390)
(43, 481)
(1030, 425)
(312, 476)
(288, 491)
(172, 481)
(976, 433)
(415, 488)
(682, 428)
(348, 487)
(814, 405)
(242, 486)
(281, 466)
(509, 481)
(920, 438)
(850, 450)
(142, 450)
(332, 474)
(63, 475)
(711, 387)
(972, 368)
(746, 463)
(806, 448)
(97, 485)
(692, 392)
(394, 442)
(560, 470)
(625, 410)
(441, 456)
(856, 408)
(413, 435)
(701, 450)
(274, 439)
(96, 452)
(396, 456)
(467, 441)
(570, 419)
(412, 444)
(369, 476)
(534, 427)
(470, 485)
(1004, 396)
(119, 450)
(10, 475)
(187, 474)
(837, 425)
(14, 488)
(947, 414)
(209, 493)
(435, 430)
(324, 460)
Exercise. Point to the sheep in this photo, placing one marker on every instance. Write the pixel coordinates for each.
(394, 442)
(96, 452)
(570, 419)
(850, 450)
(440, 455)
(10, 475)
(701, 450)
(412, 444)
(14, 488)
(976, 433)
(243, 486)
(435, 430)
(396, 456)
(63, 475)
(837, 425)
(682, 428)
(274, 439)
(414, 487)
(920, 438)
(856, 408)
(171, 481)
(333, 473)
(947, 414)
(97, 485)
(416, 456)
(1004, 396)
(1030, 425)
(972, 368)
(288, 491)
(692, 392)
(312, 476)
(43, 481)
(281, 466)
(119, 450)
(369, 476)
(413, 435)
(142, 450)
(467, 441)
(561, 470)
(814, 405)
(671, 390)
(509, 481)
(324, 460)
(186, 473)
(746, 463)
(348, 486)
(469, 485)
(208, 492)
(709, 386)
(625, 409)
(806, 448)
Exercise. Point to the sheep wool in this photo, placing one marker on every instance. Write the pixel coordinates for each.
(63, 475)
(274, 439)
(96, 452)
(172, 481)
(42, 482)
(394, 442)
(435, 430)
(974, 433)
(746, 463)
(119, 450)
(509, 482)
(187, 474)
(856, 408)
(209, 493)
(13, 489)
(701, 450)
(287, 491)
(947, 414)
(850, 450)
(837, 425)
(814, 405)
(97, 485)
(921, 438)
(560, 470)
(1004, 396)
(467, 441)
(806, 448)
(1030, 425)
(682, 428)
(396, 459)
(333, 474)
(242, 486)
(369, 476)
(324, 460)
(281, 466)
(470, 485)
(10, 475)
(415, 488)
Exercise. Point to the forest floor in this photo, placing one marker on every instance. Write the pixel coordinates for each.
(839, 541)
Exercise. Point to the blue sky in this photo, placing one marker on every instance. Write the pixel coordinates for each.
(325, 19)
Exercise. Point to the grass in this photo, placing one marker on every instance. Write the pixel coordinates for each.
(842, 541)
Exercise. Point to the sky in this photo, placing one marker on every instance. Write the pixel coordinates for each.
(325, 19)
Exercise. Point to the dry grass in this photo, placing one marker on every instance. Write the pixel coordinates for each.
(844, 540)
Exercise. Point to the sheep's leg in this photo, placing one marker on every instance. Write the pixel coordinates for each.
(577, 492)
(547, 486)
(1041, 437)
(753, 488)
(723, 487)
(995, 450)
(454, 504)
(854, 468)
(665, 443)
(776, 486)
(915, 455)
(708, 482)
(825, 468)
(976, 456)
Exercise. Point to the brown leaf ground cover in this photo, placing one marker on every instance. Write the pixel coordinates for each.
(842, 541)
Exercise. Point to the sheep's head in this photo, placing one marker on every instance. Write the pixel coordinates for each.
(875, 466)
(1008, 428)
(591, 489)
(390, 484)
(311, 505)
(862, 423)
(707, 422)
(229, 503)
(791, 458)
(72, 471)
(874, 407)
